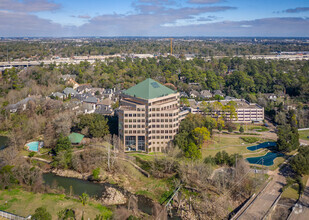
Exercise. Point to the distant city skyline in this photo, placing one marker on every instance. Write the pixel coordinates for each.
(226, 18)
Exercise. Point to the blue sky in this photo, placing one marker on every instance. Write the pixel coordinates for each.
(57, 18)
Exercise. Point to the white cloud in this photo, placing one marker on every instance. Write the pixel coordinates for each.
(18, 24)
(28, 5)
(203, 1)
(84, 16)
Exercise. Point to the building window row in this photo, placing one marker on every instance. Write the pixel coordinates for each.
(163, 120)
(134, 126)
(163, 126)
(164, 108)
(134, 115)
(134, 120)
(134, 131)
(161, 138)
(164, 115)
(161, 131)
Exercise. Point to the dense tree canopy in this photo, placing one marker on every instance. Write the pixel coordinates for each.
(300, 162)
(93, 125)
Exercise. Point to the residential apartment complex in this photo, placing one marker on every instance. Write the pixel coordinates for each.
(246, 112)
(148, 117)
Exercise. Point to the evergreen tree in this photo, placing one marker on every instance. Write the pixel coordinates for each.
(41, 214)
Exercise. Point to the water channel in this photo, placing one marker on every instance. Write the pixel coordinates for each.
(3, 142)
(95, 190)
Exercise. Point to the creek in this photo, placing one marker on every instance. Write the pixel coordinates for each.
(3, 142)
(95, 190)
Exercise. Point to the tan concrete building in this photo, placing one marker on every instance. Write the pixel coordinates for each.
(246, 112)
(148, 117)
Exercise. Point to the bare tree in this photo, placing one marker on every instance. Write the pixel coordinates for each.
(116, 144)
(108, 140)
(49, 135)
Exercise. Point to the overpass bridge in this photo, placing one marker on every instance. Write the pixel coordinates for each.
(5, 65)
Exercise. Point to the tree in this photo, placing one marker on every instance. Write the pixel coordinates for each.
(181, 140)
(63, 143)
(63, 159)
(241, 129)
(84, 199)
(41, 214)
(49, 135)
(210, 123)
(96, 173)
(300, 162)
(230, 126)
(192, 151)
(220, 125)
(288, 138)
(96, 124)
(66, 214)
(115, 105)
(200, 135)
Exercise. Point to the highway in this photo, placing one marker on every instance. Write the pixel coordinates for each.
(91, 59)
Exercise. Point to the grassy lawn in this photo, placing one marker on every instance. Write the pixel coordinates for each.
(258, 128)
(304, 134)
(291, 192)
(230, 144)
(277, 162)
(145, 157)
(136, 182)
(24, 203)
(250, 140)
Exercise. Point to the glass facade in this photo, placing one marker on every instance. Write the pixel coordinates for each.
(130, 142)
(141, 143)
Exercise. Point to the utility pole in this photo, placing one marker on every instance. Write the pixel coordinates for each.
(263, 168)
(7, 52)
(108, 155)
(236, 166)
(171, 46)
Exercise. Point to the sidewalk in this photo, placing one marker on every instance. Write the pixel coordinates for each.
(301, 212)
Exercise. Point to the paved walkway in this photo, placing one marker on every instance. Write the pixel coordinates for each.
(301, 212)
(40, 159)
(264, 201)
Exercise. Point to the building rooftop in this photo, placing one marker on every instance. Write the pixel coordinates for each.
(69, 90)
(149, 89)
(76, 138)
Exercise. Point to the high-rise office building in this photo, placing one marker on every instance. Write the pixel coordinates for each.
(148, 117)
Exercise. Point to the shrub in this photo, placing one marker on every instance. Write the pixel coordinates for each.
(96, 173)
(250, 139)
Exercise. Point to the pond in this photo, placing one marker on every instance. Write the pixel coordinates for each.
(95, 190)
(266, 160)
(79, 186)
(3, 142)
(262, 145)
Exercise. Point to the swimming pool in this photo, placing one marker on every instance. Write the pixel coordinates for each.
(34, 146)
(266, 160)
(262, 145)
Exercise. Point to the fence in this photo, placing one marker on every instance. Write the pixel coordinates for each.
(12, 216)
(303, 129)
